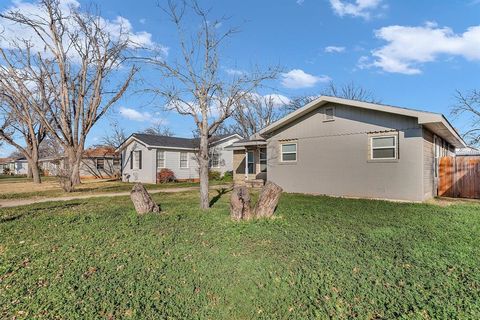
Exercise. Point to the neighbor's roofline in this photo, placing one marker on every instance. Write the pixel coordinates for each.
(424, 117)
(149, 146)
(132, 136)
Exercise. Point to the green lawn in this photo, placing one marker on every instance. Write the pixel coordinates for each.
(319, 258)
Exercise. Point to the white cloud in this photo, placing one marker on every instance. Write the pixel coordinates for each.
(300, 2)
(142, 21)
(117, 27)
(297, 78)
(334, 49)
(134, 115)
(235, 72)
(358, 8)
(410, 47)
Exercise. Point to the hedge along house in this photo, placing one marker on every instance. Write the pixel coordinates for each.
(349, 148)
(144, 155)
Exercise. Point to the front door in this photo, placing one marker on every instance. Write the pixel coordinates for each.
(250, 162)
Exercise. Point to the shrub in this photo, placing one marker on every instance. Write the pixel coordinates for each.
(214, 175)
(6, 170)
(228, 176)
(165, 175)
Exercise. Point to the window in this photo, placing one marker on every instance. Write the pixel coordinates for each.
(215, 159)
(131, 159)
(289, 152)
(384, 147)
(138, 159)
(263, 160)
(329, 114)
(116, 162)
(160, 159)
(183, 159)
(251, 162)
(100, 163)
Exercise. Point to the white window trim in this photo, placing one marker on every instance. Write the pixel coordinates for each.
(180, 160)
(164, 158)
(325, 119)
(212, 156)
(136, 163)
(281, 152)
(395, 147)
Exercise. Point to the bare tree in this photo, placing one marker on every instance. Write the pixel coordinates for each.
(116, 136)
(468, 105)
(19, 121)
(50, 148)
(253, 113)
(349, 91)
(159, 129)
(195, 86)
(78, 66)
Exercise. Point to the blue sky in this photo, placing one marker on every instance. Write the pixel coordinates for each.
(409, 53)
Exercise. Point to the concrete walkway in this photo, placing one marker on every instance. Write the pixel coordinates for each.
(10, 203)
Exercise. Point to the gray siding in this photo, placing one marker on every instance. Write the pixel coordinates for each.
(333, 157)
(172, 162)
(147, 173)
(428, 165)
(226, 156)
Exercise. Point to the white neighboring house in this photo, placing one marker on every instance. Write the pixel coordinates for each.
(18, 166)
(143, 155)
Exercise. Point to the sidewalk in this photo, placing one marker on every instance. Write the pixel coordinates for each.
(24, 202)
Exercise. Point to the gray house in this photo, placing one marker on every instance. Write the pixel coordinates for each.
(143, 155)
(349, 148)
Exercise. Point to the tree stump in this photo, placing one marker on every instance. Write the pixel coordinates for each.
(142, 200)
(240, 208)
(268, 200)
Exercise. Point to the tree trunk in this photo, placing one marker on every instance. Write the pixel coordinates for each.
(34, 170)
(73, 166)
(240, 208)
(203, 171)
(268, 200)
(142, 200)
(29, 172)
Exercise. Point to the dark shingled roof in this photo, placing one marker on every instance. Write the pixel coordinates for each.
(173, 142)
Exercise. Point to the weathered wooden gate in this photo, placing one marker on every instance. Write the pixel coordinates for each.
(459, 177)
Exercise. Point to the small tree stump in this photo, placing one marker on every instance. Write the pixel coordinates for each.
(268, 200)
(142, 200)
(240, 208)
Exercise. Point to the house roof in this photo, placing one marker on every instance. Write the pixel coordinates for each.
(152, 140)
(6, 160)
(100, 152)
(435, 122)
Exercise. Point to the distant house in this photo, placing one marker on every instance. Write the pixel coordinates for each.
(97, 163)
(349, 148)
(14, 166)
(100, 163)
(143, 155)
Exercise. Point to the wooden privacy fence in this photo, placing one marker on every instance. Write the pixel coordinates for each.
(459, 177)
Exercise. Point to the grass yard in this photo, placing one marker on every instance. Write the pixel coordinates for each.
(320, 258)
